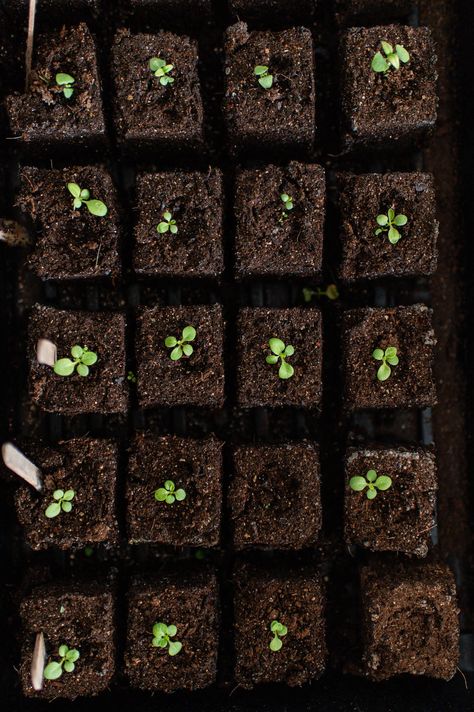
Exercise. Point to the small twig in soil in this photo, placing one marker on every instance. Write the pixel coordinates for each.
(37, 662)
(29, 41)
(21, 466)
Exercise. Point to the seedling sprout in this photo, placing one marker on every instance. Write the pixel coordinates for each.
(62, 503)
(82, 196)
(389, 358)
(181, 347)
(280, 352)
(331, 292)
(168, 493)
(372, 482)
(65, 81)
(83, 358)
(162, 635)
(68, 658)
(389, 58)
(389, 223)
(168, 223)
(264, 78)
(162, 69)
(279, 631)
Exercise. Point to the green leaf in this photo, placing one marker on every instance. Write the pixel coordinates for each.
(167, 216)
(69, 666)
(260, 69)
(174, 648)
(383, 482)
(58, 494)
(400, 220)
(276, 346)
(289, 351)
(286, 370)
(378, 354)
(159, 630)
(266, 82)
(66, 506)
(62, 79)
(387, 47)
(156, 63)
(276, 645)
(53, 510)
(170, 341)
(393, 235)
(162, 227)
(68, 92)
(89, 358)
(52, 671)
(394, 60)
(169, 485)
(97, 208)
(74, 189)
(64, 367)
(271, 358)
(379, 63)
(402, 53)
(371, 493)
(332, 292)
(63, 650)
(170, 499)
(176, 353)
(180, 494)
(173, 229)
(161, 494)
(172, 630)
(393, 360)
(85, 194)
(285, 197)
(77, 351)
(77, 203)
(357, 483)
(82, 369)
(166, 80)
(189, 333)
(159, 642)
(371, 475)
(390, 351)
(382, 220)
(384, 372)
(391, 214)
(187, 349)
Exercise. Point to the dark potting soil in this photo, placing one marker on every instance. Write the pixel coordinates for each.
(282, 116)
(252, 10)
(295, 598)
(271, 240)
(105, 389)
(366, 255)
(190, 602)
(70, 243)
(80, 616)
(410, 331)
(410, 618)
(164, 11)
(400, 518)
(195, 200)
(193, 465)
(274, 496)
(370, 11)
(258, 383)
(400, 105)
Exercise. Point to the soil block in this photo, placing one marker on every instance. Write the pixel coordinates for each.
(271, 240)
(80, 616)
(401, 517)
(195, 201)
(149, 115)
(282, 116)
(44, 118)
(370, 11)
(189, 602)
(192, 465)
(410, 620)
(194, 380)
(398, 106)
(105, 389)
(295, 598)
(366, 255)
(410, 331)
(70, 243)
(265, 10)
(274, 496)
(258, 382)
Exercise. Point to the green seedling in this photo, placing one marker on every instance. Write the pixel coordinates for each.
(389, 358)
(131, 377)
(181, 347)
(168, 493)
(162, 635)
(168, 223)
(289, 205)
(83, 358)
(62, 503)
(68, 658)
(331, 292)
(372, 482)
(264, 78)
(389, 223)
(280, 352)
(162, 70)
(65, 81)
(279, 631)
(389, 58)
(82, 196)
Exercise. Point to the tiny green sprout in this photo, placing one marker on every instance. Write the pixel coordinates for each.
(389, 356)
(168, 493)
(82, 196)
(83, 358)
(289, 205)
(62, 503)
(372, 482)
(162, 635)
(162, 70)
(389, 223)
(331, 292)
(181, 347)
(65, 81)
(279, 631)
(280, 352)
(131, 377)
(68, 658)
(168, 223)
(391, 60)
(264, 78)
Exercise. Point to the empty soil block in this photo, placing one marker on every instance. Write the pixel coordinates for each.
(157, 113)
(410, 384)
(54, 115)
(398, 105)
(179, 229)
(274, 496)
(269, 10)
(404, 250)
(281, 116)
(370, 11)
(188, 513)
(85, 467)
(71, 242)
(295, 598)
(260, 383)
(80, 616)
(105, 388)
(167, 377)
(401, 517)
(190, 603)
(410, 620)
(279, 214)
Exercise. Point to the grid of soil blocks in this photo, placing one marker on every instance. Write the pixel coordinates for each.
(410, 620)
(278, 115)
(410, 384)
(55, 113)
(190, 603)
(367, 11)
(197, 379)
(397, 105)
(192, 245)
(153, 112)
(255, 10)
(272, 239)
(274, 496)
(71, 241)
(401, 517)
(84, 466)
(403, 251)
(194, 469)
(105, 388)
(258, 382)
(295, 599)
(80, 616)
